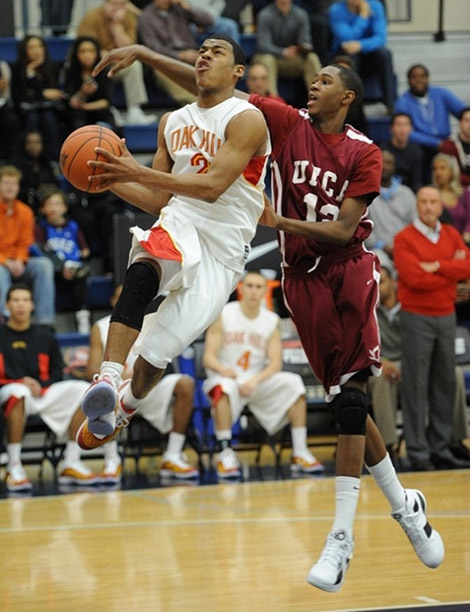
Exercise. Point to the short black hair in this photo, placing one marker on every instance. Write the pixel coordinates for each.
(400, 114)
(351, 80)
(413, 67)
(16, 287)
(238, 53)
(462, 112)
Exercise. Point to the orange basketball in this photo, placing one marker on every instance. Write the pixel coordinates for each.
(79, 148)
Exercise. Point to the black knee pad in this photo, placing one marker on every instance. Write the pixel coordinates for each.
(140, 287)
(351, 407)
(361, 376)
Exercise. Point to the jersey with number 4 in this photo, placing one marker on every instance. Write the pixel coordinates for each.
(193, 135)
(312, 174)
(245, 341)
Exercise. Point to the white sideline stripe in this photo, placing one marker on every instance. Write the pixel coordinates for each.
(208, 521)
(433, 603)
(429, 600)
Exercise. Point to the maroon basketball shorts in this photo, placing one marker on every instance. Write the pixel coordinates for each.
(334, 310)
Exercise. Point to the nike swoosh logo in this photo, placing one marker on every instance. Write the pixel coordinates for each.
(262, 249)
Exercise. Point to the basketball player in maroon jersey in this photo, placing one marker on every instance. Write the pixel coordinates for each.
(325, 175)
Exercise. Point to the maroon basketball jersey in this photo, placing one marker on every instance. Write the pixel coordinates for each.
(312, 173)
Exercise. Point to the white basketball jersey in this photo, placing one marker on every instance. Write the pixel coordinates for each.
(193, 136)
(245, 341)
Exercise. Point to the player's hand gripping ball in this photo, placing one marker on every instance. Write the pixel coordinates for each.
(79, 148)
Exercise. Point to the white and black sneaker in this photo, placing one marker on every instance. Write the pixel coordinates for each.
(329, 572)
(426, 541)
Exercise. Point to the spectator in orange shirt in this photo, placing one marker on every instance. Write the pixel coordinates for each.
(16, 238)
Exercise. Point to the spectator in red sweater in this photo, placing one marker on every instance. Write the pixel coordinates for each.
(459, 146)
(430, 258)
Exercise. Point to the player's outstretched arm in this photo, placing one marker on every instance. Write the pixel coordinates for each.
(122, 58)
(146, 198)
(246, 137)
(338, 232)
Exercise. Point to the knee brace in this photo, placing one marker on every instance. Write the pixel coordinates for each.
(140, 287)
(351, 407)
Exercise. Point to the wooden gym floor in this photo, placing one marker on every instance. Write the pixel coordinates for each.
(239, 547)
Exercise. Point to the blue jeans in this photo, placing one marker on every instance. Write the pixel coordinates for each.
(222, 25)
(39, 274)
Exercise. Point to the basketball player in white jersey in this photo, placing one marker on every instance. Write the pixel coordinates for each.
(168, 407)
(243, 360)
(206, 183)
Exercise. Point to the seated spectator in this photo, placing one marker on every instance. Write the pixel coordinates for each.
(257, 82)
(168, 407)
(408, 155)
(243, 360)
(32, 384)
(114, 24)
(36, 92)
(455, 198)
(37, 170)
(94, 215)
(359, 30)
(8, 117)
(320, 25)
(429, 108)
(392, 209)
(89, 97)
(221, 25)
(384, 389)
(61, 239)
(164, 26)
(431, 258)
(55, 15)
(356, 116)
(16, 239)
(459, 146)
(284, 44)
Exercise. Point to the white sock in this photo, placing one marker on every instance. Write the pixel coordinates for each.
(72, 452)
(299, 440)
(347, 496)
(14, 453)
(112, 369)
(386, 478)
(129, 400)
(223, 434)
(110, 450)
(175, 443)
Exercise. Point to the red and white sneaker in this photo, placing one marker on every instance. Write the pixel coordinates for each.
(176, 466)
(77, 473)
(86, 438)
(228, 465)
(16, 479)
(112, 471)
(99, 403)
(306, 463)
